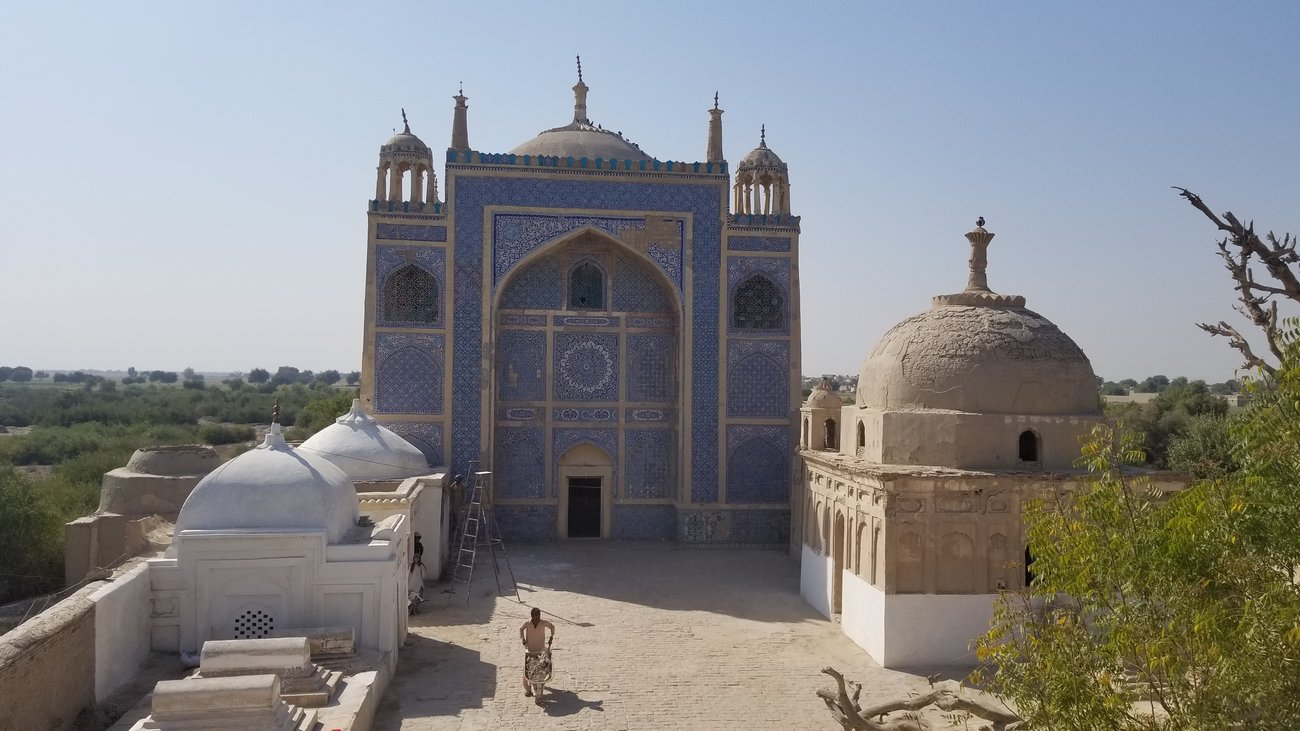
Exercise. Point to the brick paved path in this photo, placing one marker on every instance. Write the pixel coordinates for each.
(648, 636)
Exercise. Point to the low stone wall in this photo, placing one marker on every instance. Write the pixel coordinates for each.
(47, 665)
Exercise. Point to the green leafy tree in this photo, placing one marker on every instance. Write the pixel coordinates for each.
(285, 375)
(32, 539)
(259, 375)
(5, 373)
(354, 378)
(1204, 448)
(329, 378)
(1160, 612)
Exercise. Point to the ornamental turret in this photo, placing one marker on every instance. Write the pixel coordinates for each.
(405, 153)
(762, 181)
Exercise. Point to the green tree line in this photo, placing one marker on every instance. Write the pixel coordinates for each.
(52, 473)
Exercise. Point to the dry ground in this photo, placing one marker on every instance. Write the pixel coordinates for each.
(649, 636)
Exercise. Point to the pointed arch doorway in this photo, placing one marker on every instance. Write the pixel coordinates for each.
(586, 477)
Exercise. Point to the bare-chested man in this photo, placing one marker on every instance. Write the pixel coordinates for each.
(533, 634)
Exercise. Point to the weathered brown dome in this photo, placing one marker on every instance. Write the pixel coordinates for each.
(977, 359)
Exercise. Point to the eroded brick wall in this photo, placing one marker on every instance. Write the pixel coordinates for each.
(47, 666)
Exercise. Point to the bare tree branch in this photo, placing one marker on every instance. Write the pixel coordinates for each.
(1239, 250)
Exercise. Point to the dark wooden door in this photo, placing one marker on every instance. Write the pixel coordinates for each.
(584, 507)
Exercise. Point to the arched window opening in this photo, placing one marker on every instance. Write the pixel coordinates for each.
(1029, 571)
(586, 287)
(806, 435)
(1028, 446)
(862, 435)
(411, 295)
(757, 305)
(832, 435)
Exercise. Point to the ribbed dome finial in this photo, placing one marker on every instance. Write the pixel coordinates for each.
(580, 98)
(979, 239)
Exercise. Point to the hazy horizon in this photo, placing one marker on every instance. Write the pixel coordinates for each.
(186, 185)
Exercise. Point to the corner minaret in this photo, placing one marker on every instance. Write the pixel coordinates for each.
(715, 132)
(460, 123)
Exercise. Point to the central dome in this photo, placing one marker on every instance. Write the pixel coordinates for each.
(581, 137)
(578, 140)
(978, 359)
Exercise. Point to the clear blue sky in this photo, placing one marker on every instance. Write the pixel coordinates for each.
(184, 184)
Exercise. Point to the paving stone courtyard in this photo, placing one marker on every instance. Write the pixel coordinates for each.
(648, 636)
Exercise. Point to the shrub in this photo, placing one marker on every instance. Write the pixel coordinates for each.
(226, 433)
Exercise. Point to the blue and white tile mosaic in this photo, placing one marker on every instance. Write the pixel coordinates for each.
(648, 466)
(585, 367)
(649, 416)
(758, 379)
(584, 321)
(701, 201)
(391, 258)
(521, 365)
(651, 362)
(515, 235)
(584, 415)
(535, 287)
(404, 232)
(645, 522)
(425, 436)
(519, 468)
(520, 414)
(526, 522)
(636, 290)
(776, 270)
(408, 373)
(516, 320)
(760, 527)
(758, 243)
(758, 464)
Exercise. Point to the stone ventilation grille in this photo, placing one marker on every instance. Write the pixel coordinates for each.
(253, 624)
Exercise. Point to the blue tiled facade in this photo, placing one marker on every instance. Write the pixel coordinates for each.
(408, 373)
(642, 376)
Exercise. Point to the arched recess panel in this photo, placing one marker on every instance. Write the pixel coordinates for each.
(519, 467)
(537, 286)
(758, 379)
(758, 464)
(958, 567)
(758, 304)
(909, 568)
(408, 376)
(410, 286)
(411, 294)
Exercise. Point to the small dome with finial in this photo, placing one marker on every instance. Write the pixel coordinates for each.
(762, 158)
(405, 141)
(273, 488)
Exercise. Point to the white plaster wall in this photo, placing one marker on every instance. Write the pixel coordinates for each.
(123, 629)
(815, 580)
(863, 615)
(933, 629)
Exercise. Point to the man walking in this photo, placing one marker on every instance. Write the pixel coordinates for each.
(533, 634)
